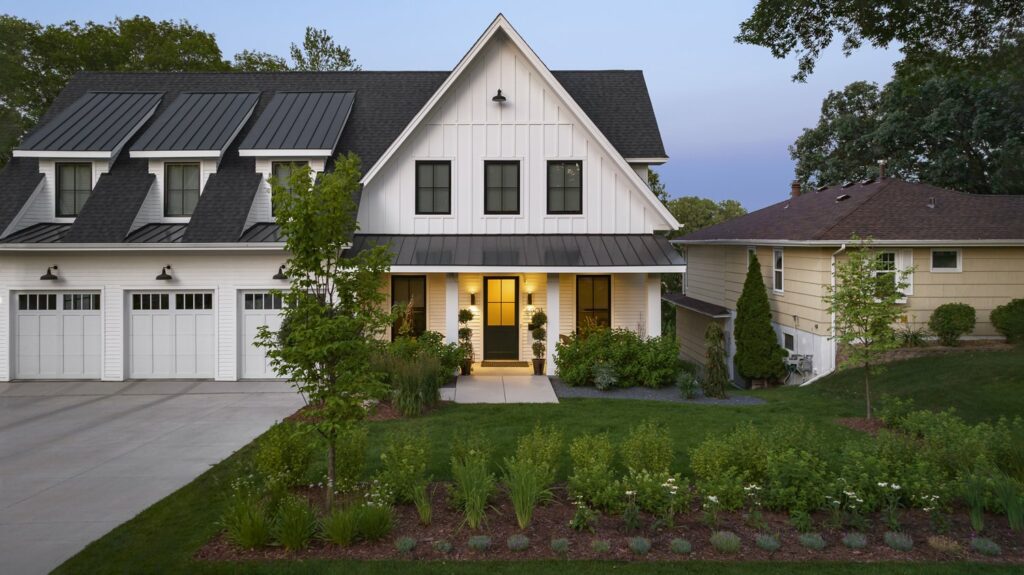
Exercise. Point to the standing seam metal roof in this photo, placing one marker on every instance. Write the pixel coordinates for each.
(300, 121)
(198, 121)
(96, 122)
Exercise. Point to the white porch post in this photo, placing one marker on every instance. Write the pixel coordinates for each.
(553, 326)
(451, 308)
(653, 305)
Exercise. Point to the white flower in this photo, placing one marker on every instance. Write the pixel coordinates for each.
(883, 484)
(713, 499)
(895, 487)
(630, 493)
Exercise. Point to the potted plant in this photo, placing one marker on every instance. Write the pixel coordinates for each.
(466, 340)
(537, 323)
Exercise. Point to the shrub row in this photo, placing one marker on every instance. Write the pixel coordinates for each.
(608, 358)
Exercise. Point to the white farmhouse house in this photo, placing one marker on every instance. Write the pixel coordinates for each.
(137, 238)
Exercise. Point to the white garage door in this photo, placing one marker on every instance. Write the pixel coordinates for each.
(258, 308)
(171, 335)
(57, 336)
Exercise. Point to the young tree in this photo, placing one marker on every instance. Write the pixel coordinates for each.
(716, 374)
(320, 53)
(334, 313)
(758, 353)
(864, 301)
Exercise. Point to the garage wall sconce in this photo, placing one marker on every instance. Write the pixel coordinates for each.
(164, 276)
(49, 275)
(280, 274)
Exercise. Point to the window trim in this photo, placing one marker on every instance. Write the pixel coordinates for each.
(56, 188)
(781, 288)
(394, 332)
(959, 261)
(519, 187)
(416, 189)
(199, 191)
(547, 198)
(576, 296)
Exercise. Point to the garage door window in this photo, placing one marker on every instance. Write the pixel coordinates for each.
(82, 301)
(37, 301)
(151, 301)
(193, 301)
(263, 301)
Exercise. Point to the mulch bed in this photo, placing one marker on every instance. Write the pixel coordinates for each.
(869, 426)
(552, 521)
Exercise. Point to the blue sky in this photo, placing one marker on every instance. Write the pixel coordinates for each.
(727, 111)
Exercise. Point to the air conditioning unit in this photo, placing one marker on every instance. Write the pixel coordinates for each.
(800, 367)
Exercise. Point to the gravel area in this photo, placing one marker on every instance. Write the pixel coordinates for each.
(670, 394)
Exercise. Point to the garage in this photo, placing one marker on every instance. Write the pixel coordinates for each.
(57, 335)
(258, 309)
(171, 335)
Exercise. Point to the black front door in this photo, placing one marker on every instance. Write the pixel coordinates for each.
(501, 318)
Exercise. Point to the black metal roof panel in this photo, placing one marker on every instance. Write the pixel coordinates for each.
(44, 233)
(157, 233)
(301, 121)
(262, 232)
(198, 121)
(695, 305)
(95, 122)
(525, 250)
(113, 204)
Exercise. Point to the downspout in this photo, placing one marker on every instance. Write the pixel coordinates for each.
(832, 326)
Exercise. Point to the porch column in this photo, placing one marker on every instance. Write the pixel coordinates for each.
(553, 327)
(653, 305)
(451, 308)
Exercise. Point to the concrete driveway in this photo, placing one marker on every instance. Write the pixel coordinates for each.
(79, 458)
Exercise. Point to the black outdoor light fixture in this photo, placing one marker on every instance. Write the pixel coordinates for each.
(49, 275)
(529, 298)
(472, 299)
(280, 274)
(499, 98)
(164, 276)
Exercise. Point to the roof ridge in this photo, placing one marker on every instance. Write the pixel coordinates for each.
(824, 232)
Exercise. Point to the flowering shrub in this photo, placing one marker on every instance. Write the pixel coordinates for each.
(662, 494)
(404, 465)
(593, 477)
(585, 518)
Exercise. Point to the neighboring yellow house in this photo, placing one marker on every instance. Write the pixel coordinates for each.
(958, 248)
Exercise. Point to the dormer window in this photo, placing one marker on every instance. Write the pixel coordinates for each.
(282, 172)
(181, 189)
(74, 183)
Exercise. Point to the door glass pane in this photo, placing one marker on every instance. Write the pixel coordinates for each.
(601, 293)
(508, 290)
(508, 313)
(493, 313)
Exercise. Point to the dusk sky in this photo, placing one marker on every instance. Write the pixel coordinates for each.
(727, 111)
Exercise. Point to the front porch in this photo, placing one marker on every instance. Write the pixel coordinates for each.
(500, 385)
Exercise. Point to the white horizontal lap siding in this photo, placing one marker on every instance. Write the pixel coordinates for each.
(436, 303)
(533, 126)
(567, 304)
(536, 283)
(629, 302)
(6, 347)
(473, 283)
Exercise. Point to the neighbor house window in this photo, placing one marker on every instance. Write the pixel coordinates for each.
(777, 270)
(565, 187)
(282, 172)
(946, 260)
(434, 187)
(74, 182)
(409, 294)
(788, 342)
(181, 189)
(501, 187)
(593, 301)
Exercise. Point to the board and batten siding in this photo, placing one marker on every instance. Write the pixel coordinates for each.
(533, 126)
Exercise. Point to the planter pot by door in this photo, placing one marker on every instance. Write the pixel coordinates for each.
(538, 366)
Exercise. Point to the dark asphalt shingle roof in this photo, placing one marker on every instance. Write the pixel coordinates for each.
(18, 180)
(225, 202)
(300, 121)
(197, 121)
(527, 250)
(889, 209)
(696, 305)
(113, 204)
(96, 122)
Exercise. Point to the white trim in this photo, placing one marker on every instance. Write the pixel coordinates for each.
(838, 243)
(175, 154)
(63, 155)
(502, 24)
(959, 261)
(144, 247)
(781, 270)
(540, 269)
(654, 161)
(262, 153)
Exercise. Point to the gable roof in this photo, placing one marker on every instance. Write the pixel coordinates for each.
(890, 210)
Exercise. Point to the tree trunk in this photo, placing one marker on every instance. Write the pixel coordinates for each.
(867, 389)
(330, 475)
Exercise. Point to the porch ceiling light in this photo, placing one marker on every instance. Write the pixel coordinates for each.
(164, 276)
(499, 98)
(280, 274)
(49, 275)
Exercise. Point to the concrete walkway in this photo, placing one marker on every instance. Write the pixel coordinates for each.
(501, 385)
(79, 458)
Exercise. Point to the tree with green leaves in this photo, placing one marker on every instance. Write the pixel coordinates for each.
(334, 315)
(758, 353)
(865, 304)
(318, 53)
(256, 61)
(716, 373)
(694, 213)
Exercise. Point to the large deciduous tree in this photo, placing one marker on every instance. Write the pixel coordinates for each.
(317, 53)
(758, 353)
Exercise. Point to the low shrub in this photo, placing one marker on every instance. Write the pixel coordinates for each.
(951, 321)
(1011, 500)
(648, 447)
(585, 518)
(946, 545)
(986, 546)
(680, 546)
(246, 522)
(855, 540)
(473, 484)
(766, 542)
(543, 448)
(479, 543)
(605, 376)
(341, 526)
(525, 483)
(284, 452)
(295, 524)
(650, 362)
(403, 465)
(560, 545)
(687, 384)
(660, 493)
(1008, 319)
(518, 542)
(812, 541)
(801, 521)
(898, 540)
(442, 546)
(593, 477)
(374, 522)
(415, 384)
(405, 544)
(725, 541)
(639, 545)
(601, 546)
(350, 457)
(912, 335)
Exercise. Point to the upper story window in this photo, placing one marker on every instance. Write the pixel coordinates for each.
(282, 172)
(74, 182)
(565, 187)
(777, 270)
(181, 189)
(434, 187)
(501, 187)
(946, 260)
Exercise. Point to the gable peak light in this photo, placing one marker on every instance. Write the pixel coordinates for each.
(49, 275)
(499, 98)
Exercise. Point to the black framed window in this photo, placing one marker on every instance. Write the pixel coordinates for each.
(593, 301)
(282, 173)
(181, 189)
(409, 293)
(37, 301)
(263, 301)
(74, 182)
(565, 187)
(501, 187)
(81, 301)
(193, 301)
(157, 301)
(433, 187)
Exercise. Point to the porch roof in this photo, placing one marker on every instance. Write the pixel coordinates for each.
(695, 305)
(537, 251)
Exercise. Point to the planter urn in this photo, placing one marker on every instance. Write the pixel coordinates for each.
(538, 366)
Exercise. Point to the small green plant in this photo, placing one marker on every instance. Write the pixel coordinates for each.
(767, 542)
(604, 376)
(526, 488)
(812, 541)
(518, 542)
(421, 498)
(341, 526)
(375, 522)
(560, 546)
(986, 546)
(404, 465)
(585, 518)
(855, 540)
(951, 321)
(1012, 501)
(593, 475)
(473, 484)
(898, 540)
(295, 524)
(687, 384)
(284, 452)
(974, 489)
(711, 507)
(801, 521)
(442, 546)
(542, 447)
(912, 335)
(466, 340)
(892, 502)
(631, 512)
(405, 544)
(479, 543)
(725, 541)
(932, 504)
(601, 546)
(680, 546)
(946, 545)
(246, 522)
(639, 545)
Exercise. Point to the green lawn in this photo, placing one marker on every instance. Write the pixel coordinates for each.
(981, 385)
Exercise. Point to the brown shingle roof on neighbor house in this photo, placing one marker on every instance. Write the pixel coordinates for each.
(889, 209)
